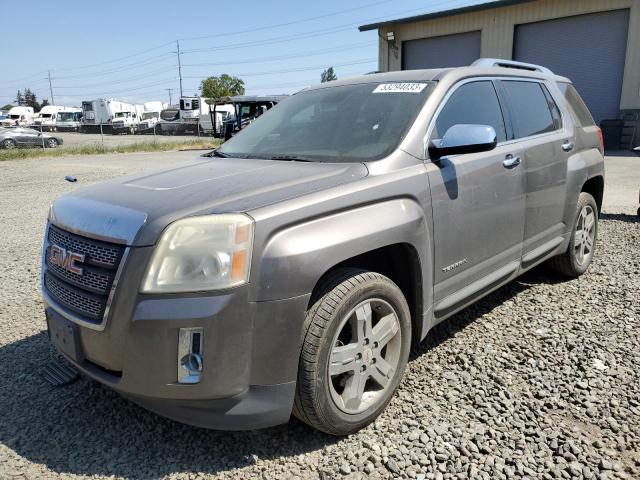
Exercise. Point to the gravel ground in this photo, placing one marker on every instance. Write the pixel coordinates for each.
(539, 380)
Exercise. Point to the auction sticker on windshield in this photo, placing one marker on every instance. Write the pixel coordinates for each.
(400, 88)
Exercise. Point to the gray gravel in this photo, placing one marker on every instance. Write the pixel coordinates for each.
(538, 380)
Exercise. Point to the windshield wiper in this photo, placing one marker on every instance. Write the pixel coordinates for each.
(290, 158)
(215, 153)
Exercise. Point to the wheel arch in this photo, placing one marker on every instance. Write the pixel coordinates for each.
(595, 187)
(400, 262)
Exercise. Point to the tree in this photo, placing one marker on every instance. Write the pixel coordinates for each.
(20, 99)
(328, 75)
(222, 86)
(29, 99)
(8, 106)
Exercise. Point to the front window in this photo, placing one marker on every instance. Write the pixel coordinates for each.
(345, 123)
(149, 115)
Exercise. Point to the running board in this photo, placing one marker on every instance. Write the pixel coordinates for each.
(475, 290)
(541, 251)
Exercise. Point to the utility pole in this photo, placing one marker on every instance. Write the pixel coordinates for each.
(50, 87)
(179, 66)
(169, 90)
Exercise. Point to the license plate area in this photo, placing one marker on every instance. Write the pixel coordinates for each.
(65, 336)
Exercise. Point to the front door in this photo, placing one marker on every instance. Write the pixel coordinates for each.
(478, 203)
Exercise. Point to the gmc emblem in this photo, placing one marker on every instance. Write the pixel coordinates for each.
(66, 259)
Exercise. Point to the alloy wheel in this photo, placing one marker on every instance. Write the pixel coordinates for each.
(365, 356)
(585, 234)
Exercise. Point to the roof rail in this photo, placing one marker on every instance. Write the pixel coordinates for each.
(499, 62)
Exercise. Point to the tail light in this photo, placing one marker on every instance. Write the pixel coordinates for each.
(601, 140)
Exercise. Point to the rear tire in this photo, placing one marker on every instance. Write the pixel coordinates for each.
(582, 245)
(357, 337)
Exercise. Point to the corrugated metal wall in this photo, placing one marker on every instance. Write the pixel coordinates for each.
(462, 49)
(498, 26)
(589, 49)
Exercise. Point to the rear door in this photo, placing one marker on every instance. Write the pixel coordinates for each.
(478, 202)
(546, 145)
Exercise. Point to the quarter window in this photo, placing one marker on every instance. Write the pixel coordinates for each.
(577, 105)
(474, 103)
(529, 108)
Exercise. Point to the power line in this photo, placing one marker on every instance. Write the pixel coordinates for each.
(300, 69)
(286, 24)
(355, 46)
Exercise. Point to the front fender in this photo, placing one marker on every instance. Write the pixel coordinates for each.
(294, 259)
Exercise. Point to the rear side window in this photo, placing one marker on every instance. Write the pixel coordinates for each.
(529, 108)
(474, 103)
(578, 106)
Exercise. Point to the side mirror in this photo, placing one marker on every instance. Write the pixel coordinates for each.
(461, 138)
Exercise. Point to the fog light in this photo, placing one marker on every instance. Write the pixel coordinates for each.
(190, 361)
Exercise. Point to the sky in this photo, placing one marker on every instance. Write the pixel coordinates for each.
(126, 49)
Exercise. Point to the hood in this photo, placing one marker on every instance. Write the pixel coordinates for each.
(136, 208)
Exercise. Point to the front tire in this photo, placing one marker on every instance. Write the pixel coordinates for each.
(354, 352)
(52, 143)
(8, 144)
(582, 245)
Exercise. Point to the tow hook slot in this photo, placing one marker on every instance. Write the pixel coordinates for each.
(190, 361)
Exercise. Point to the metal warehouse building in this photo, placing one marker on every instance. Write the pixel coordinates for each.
(596, 43)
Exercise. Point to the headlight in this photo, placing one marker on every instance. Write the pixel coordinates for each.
(201, 253)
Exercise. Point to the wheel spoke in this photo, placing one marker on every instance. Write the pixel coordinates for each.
(343, 359)
(589, 222)
(588, 242)
(363, 317)
(385, 330)
(382, 372)
(354, 390)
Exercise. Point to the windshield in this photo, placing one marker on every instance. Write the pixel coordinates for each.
(147, 116)
(334, 124)
(67, 116)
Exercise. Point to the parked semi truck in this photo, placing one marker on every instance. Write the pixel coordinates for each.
(18, 116)
(69, 120)
(46, 119)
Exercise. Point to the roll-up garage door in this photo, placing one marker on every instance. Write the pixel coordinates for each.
(589, 49)
(437, 52)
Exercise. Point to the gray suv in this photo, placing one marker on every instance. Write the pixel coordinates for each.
(290, 270)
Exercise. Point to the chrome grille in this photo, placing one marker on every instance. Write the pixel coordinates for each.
(85, 294)
(74, 299)
(98, 253)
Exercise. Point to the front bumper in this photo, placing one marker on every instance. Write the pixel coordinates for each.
(250, 352)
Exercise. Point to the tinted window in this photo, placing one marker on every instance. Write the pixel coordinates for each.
(574, 100)
(529, 109)
(474, 103)
(555, 111)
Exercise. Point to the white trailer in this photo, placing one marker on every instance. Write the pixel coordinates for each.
(18, 116)
(191, 109)
(102, 112)
(47, 116)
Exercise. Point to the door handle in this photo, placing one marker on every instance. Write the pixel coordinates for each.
(511, 162)
(567, 146)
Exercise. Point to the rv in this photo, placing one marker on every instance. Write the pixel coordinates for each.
(69, 119)
(102, 112)
(46, 118)
(18, 116)
(151, 117)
